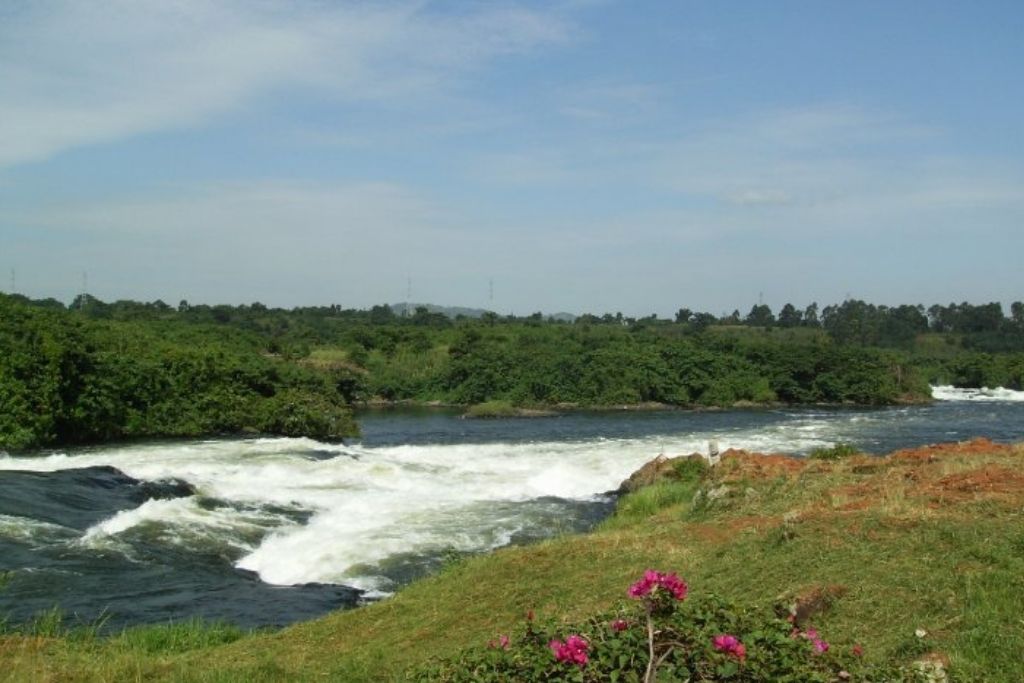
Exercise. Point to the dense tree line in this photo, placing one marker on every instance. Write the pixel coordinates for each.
(66, 378)
(95, 371)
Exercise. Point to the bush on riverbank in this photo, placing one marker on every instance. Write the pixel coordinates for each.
(68, 379)
(705, 638)
(492, 409)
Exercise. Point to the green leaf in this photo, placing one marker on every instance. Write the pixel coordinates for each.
(727, 670)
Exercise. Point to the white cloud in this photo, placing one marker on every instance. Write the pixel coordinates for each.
(78, 73)
(832, 166)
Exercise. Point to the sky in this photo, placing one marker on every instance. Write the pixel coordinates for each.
(559, 155)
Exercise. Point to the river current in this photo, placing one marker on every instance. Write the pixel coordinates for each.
(268, 531)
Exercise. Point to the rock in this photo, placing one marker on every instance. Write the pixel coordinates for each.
(719, 492)
(659, 469)
(811, 602)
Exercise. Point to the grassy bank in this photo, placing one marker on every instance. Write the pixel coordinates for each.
(929, 539)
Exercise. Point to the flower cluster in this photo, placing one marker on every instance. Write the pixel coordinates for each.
(705, 634)
(820, 646)
(653, 580)
(573, 650)
(730, 645)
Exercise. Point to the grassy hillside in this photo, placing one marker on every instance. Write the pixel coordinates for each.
(928, 539)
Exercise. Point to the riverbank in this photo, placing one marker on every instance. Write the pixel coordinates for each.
(509, 409)
(934, 530)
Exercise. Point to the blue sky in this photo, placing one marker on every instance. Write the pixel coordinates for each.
(584, 155)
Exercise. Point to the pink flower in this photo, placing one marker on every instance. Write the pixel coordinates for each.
(501, 643)
(725, 643)
(729, 644)
(820, 646)
(645, 585)
(619, 625)
(573, 650)
(653, 580)
(858, 650)
(674, 585)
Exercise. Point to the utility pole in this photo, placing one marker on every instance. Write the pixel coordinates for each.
(408, 296)
(14, 282)
(490, 291)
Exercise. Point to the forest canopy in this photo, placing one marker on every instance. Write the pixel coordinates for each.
(95, 371)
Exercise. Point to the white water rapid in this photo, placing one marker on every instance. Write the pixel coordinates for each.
(951, 393)
(300, 511)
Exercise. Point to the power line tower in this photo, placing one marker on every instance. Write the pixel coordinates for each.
(85, 290)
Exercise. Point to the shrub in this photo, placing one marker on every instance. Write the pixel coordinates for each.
(672, 637)
(491, 409)
(837, 452)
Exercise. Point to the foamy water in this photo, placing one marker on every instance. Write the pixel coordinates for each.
(296, 511)
(269, 531)
(366, 505)
(31, 530)
(998, 394)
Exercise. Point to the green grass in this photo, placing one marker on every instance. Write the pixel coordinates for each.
(492, 409)
(674, 492)
(910, 546)
(840, 450)
(194, 634)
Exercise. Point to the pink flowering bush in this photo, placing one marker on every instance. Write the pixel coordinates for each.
(729, 644)
(820, 645)
(572, 651)
(652, 581)
(683, 637)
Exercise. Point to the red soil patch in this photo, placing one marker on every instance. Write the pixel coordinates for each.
(726, 529)
(984, 482)
(934, 451)
(761, 465)
(854, 505)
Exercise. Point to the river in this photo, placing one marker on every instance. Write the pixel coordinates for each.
(268, 531)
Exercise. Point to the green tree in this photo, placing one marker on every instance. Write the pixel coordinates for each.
(760, 316)
(789, 316)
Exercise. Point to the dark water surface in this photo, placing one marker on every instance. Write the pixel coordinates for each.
(270, 531)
